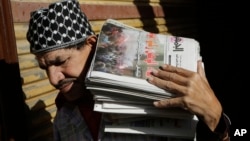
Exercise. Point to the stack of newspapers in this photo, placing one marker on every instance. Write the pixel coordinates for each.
(124, 58)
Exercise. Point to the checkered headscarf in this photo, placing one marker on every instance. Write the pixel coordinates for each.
(62, 25)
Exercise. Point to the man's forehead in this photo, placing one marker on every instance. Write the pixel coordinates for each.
(52, 55)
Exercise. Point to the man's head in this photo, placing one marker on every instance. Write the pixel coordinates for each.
(61, 38)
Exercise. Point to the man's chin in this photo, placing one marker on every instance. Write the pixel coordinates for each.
(66, 92)
(73, 93)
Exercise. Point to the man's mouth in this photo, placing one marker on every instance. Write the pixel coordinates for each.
(66, 87)
(66, 84)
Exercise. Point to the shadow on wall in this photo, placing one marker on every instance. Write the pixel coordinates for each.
(40, 125)
(17, 121)
(12, 106)
(180, 16)
(146, 12)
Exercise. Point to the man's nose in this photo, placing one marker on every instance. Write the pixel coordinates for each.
(54, 75)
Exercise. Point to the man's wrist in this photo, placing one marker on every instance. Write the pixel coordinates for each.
(223, 127)
(221, 132)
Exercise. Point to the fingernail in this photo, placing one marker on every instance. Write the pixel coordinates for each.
(151, 73)
(161, 67)
(149, 78)
(154, 71)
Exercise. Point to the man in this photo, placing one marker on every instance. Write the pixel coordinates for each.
(63, 42)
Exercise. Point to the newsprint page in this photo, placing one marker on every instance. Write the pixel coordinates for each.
(123, 59)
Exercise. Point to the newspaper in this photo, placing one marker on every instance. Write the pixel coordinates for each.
(140, 109)
(170, 127)
(123, 59)
(125, 56)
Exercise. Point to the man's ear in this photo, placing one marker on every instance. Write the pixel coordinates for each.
(91, 40)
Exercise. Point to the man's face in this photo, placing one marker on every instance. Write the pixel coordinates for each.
(64, 68)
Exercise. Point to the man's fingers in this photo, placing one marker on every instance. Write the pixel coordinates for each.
(166, 85)
(171, 102)
(177, 70)
(173, 77)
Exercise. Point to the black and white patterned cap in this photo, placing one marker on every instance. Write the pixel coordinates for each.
(62, 25)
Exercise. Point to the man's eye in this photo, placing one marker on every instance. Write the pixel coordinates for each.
(59, 63)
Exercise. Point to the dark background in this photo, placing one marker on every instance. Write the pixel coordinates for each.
(223, 28)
